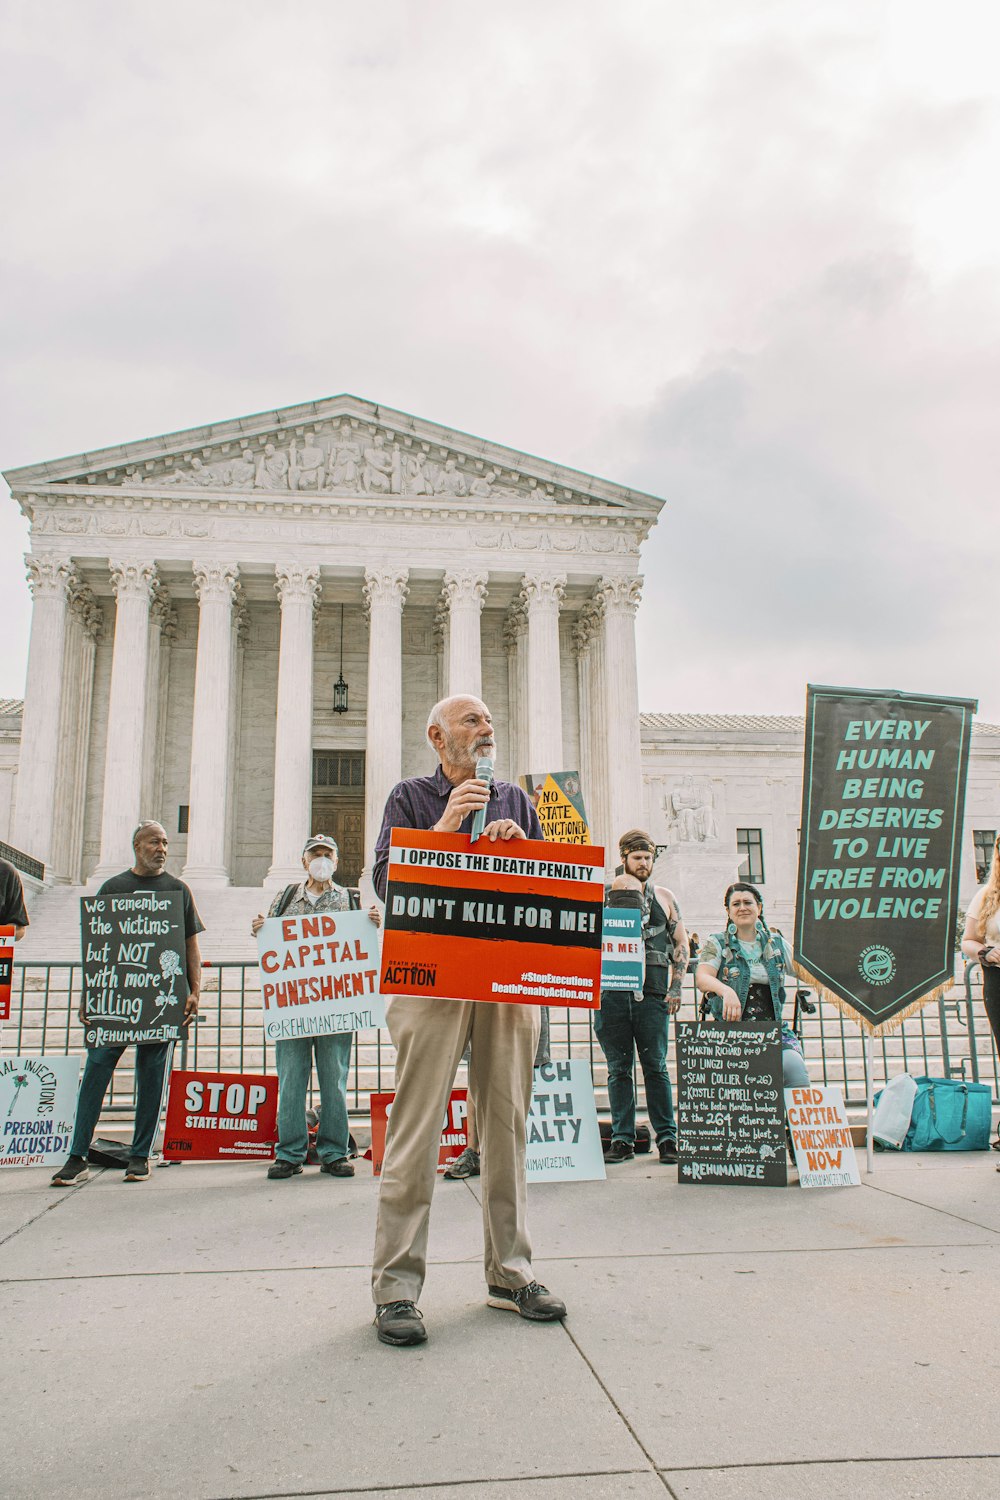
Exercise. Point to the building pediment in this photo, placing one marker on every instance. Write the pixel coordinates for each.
(339, 447)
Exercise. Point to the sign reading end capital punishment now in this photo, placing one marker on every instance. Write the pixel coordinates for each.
(883, 798)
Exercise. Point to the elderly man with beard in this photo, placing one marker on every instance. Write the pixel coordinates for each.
(430, 1035)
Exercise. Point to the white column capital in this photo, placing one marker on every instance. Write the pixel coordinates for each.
(465, 589)
(585, 631)
(162, 612)
(84, 608)
(515, 623)
(132, 580)
(543, 592)
(619, 594)
(385, 588)
(215, 582)
(49, 577)
(293, 581)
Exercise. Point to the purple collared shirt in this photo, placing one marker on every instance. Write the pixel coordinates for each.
(419, 802)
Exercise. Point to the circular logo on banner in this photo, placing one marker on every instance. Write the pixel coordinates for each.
(877, 964)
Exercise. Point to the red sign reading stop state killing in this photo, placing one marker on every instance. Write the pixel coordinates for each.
(221, 1117)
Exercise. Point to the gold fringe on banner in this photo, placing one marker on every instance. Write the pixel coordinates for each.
(884, 1028)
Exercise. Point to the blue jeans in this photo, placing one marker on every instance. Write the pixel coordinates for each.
(150, 1064)
(294, 1059)
(623, 1026)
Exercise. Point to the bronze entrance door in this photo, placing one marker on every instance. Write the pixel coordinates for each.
(338, 807)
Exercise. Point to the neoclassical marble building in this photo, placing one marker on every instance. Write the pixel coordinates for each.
(198, 596)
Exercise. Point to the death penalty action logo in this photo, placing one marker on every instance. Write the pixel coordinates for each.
(877, 964)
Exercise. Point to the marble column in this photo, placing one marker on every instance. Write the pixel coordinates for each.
(515, 628)
(620, 600)
(298, 589)
(133, 583)
(208, 795)
(162, 630)
(33, 832)
(385, 594)
(583, 643)
(464, 595)
(542, 596)
(601, 832)
(84, 623)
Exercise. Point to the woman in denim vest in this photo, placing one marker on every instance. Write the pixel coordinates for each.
(742, 974)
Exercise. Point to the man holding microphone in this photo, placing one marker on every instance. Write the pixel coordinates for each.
(430, 1035)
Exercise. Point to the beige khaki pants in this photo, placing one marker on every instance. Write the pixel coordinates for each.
(430, 1036)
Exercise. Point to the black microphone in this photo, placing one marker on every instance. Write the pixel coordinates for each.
(484, 772)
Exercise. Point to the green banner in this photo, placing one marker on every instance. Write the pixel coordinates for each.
(883, 798)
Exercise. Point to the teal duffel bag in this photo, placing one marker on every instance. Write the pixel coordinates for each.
(949, 1115)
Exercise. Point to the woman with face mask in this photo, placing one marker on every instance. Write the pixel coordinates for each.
(294, 1056)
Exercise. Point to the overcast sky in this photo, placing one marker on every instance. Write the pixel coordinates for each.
(743, 256)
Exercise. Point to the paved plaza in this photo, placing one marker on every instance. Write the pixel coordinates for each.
(208, 1334)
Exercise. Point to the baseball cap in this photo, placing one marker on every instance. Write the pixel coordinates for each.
(321, 841)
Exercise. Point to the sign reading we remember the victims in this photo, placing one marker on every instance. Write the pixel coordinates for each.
(515, 921)
(730, 1111)
(221, 1117)
(134, 967)
(881, 847)
(319, 974)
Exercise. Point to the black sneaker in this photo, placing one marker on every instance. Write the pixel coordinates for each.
(466, 1165)
(280, 1169)
(137, 1169)
(400, 1323)
(340, 1168)
(619, 1151)
(73, 1173)
(534, 1302)
(668, 1152)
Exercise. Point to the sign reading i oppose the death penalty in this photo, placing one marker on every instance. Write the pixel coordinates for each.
(454, 1131)
(518, 921)
(134, 967)
(6, 972)
(37, 1106)
(564, 1138)
(883, 799)
(221, 1117)
(558, 799)
(821, 1137)
(623, 956)
(730, 1105)
(319, 974)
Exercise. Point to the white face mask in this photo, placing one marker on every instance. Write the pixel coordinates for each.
(322, 868)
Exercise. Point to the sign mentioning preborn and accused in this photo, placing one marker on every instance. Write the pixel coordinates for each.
(134, 967)
(821, 1136)
(6, 972)
(730, 1110)
(221, 1117)
(512, 921)
(623, 960)
(37, 1106)
(558, 799)
(319, 974)
(454, 1131)
(883, 798)
(564, 1138)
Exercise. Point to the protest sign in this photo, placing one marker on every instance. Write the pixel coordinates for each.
(319, 974)
(512, 921)
(454, 1135)
(37, 1108)
(558, 800)
(883, 798)
(623, 955)
(134, 967)
(564, 1138)
(221, 1117)
(821, 1136)
(6, 972)
(730, 1116)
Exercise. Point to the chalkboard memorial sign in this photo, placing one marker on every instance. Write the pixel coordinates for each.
(730, 1103)
(134, 967)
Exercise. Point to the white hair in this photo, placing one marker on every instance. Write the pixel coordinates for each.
(440, 709)
(146, 823)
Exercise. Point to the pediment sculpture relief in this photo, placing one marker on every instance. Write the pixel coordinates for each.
(690, 811)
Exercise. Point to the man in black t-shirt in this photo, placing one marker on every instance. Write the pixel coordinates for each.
(148, 873)
(12, 910)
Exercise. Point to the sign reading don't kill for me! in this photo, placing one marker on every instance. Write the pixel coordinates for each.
(134, 967)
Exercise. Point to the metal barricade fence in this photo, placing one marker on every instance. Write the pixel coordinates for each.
(951, 1038)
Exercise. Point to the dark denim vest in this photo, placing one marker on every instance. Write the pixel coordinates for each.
(734, 969)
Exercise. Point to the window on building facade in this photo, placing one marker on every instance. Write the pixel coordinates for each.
(339, 768)
(182, 817)
(983, 840)
(750, 848)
